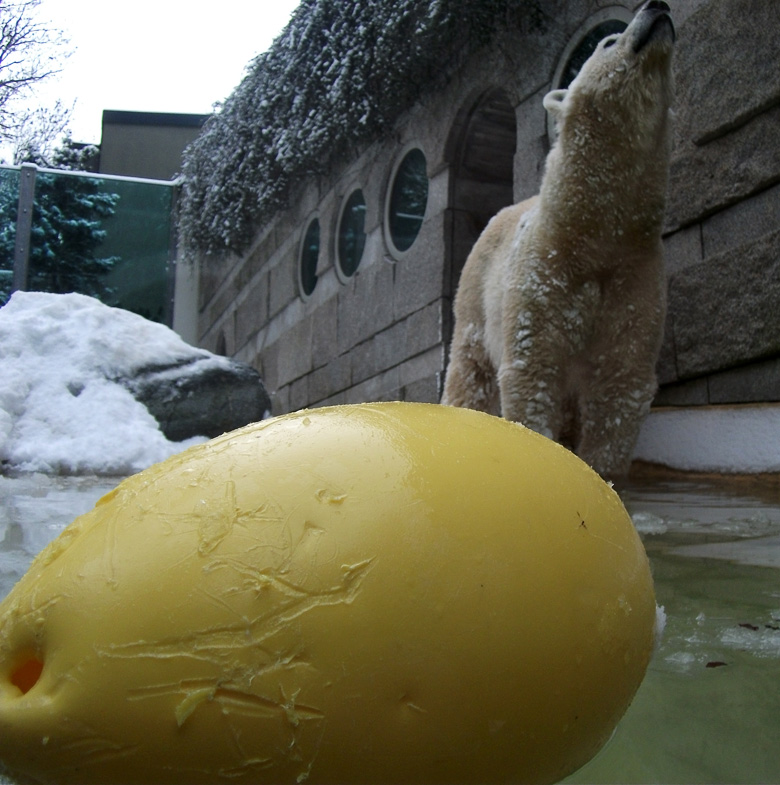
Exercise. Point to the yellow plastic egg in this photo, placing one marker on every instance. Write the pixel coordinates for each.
(382, 593)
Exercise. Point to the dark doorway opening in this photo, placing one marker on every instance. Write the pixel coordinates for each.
(482, 152)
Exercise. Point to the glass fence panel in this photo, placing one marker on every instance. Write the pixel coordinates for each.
(139, 236)
(107, 238)
(9, 195)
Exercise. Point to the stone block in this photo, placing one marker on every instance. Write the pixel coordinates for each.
(403, 340)
(299, 394)
(419, 275)
(335, 400)
(382, 387)
(726, 67)
(755, 383)
(391, 395)
(705, 179)
(691, 393)
(280, 401)
(421, 367)
(267, 362)
(330, 379)
(295, 355)
(423, 390)
(209, 278)
(743, 222)
(220, 305)
(682, 249)
(666, 365)
(245, 355)
(283, 284)
(409, 337)
(363, 361)
(725, 310)
(438, 192)
(324, 339)
(252, 312)
(254, 261)
(210, 340)
(213, 272)
(365, 305)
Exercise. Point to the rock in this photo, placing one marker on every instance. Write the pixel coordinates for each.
(202, 396)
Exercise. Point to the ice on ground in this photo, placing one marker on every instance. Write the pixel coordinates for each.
(62, 409)
(756, 552)
(34, 509)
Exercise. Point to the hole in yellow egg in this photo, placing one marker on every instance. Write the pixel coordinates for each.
(26, 675)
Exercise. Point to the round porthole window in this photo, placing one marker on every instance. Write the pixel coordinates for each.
(309, 256)
(352, 234)
(408, 200)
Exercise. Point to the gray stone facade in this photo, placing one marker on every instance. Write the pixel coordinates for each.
(384, 333)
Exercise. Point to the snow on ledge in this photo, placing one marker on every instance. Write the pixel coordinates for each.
(742, 439)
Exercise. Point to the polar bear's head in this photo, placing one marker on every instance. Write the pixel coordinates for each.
(626, 84)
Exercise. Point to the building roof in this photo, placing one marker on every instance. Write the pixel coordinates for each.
(338, 76)
(164, 119)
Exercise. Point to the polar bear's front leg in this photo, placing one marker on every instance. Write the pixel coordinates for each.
(530, 399)
(531, 376)
(610, 421)
(471, 380)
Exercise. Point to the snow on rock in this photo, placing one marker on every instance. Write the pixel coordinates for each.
(61, 407)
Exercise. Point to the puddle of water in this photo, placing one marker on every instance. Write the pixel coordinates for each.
(709, 708)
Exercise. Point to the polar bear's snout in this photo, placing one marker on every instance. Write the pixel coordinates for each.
(654, 21)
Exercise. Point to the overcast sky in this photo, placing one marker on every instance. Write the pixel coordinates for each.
(156, 55)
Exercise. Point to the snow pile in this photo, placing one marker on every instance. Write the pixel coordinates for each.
(61, 406)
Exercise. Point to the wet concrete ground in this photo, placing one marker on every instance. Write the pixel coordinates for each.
(709, 708)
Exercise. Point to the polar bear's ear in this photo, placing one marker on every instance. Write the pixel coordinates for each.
(555, 104)
(555, 101)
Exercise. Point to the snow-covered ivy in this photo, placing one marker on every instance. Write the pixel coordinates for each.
(339, 75)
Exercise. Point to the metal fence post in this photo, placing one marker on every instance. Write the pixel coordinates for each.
(173, 252)
(24, 217)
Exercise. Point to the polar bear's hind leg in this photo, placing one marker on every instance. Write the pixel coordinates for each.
(471, 379)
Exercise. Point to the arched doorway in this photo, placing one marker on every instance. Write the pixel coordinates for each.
(482, 150)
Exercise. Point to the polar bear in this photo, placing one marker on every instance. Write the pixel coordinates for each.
(560, 309)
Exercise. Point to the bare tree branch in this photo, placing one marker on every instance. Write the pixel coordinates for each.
(31, 51)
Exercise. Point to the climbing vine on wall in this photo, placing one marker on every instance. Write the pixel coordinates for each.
(340, 74)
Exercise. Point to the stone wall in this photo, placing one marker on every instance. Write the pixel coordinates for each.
(384, 333)
(722, 340)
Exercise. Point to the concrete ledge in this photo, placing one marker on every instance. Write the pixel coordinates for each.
(721, 439)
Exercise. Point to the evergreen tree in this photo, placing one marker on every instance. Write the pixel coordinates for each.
(66, 230)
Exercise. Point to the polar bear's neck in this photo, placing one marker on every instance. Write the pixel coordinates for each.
(605, 183)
